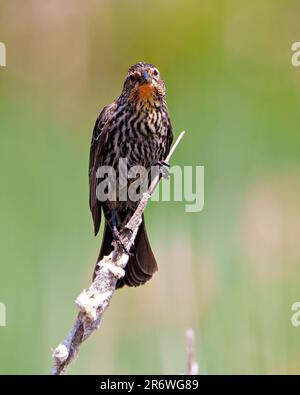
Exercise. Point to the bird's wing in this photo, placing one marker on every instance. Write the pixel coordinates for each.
(169, 138)
(99, 139)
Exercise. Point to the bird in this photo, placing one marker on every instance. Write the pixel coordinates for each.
(135, 127)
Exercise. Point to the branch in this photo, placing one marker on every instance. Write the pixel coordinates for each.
(93, 302)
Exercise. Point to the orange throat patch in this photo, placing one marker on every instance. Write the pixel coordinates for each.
(146, 91)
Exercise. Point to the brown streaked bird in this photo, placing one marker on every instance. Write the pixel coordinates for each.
(136, 126)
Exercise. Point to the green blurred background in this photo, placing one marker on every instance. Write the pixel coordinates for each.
(232, 271)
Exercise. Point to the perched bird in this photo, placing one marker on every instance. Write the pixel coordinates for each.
(136, 126)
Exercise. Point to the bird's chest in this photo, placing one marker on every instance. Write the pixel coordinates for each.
(139, 139)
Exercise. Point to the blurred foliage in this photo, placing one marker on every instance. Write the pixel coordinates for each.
(231, 271)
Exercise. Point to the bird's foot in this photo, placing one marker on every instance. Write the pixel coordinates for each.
(119, 241)
(126, 229)
(164, 168)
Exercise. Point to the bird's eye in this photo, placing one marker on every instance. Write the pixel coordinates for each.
(155, 73)
(132, 77)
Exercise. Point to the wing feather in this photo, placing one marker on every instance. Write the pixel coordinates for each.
(99, 139)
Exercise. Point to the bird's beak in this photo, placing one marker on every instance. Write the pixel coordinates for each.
(146, 77)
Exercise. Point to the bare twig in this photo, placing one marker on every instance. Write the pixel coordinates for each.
(93, 302)
(192, 365)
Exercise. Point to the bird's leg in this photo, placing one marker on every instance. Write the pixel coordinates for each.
(164, 168)
(116, 233)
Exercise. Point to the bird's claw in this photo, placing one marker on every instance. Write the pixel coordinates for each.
(127, 229)
(119, 241)
(164, 168)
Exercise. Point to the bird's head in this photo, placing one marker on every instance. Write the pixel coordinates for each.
(143, 85)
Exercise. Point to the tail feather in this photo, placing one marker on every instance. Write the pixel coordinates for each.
(141, 265)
